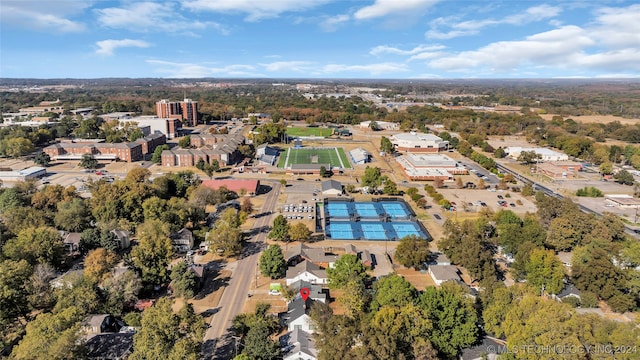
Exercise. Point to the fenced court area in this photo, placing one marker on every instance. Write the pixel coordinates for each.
(309, 131)
(375, 220)
(335, 157)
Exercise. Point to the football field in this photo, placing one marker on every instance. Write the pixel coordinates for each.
(332, 156)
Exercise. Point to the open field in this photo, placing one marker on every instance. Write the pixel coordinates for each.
(332, 156)
(309, 131)
(599, 119)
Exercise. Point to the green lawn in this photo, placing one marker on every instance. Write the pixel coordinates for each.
(304, 156)
(313, 131)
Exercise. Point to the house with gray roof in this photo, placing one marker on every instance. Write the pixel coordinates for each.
(444, 273)
(306, 271)
(331, 187)
(298, 345)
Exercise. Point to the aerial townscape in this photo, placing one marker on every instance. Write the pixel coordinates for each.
(252, 207)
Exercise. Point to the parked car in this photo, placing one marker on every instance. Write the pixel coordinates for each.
(500, 197)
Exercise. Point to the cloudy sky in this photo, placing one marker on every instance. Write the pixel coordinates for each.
(398, 39)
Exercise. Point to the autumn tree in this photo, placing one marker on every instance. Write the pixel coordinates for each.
(545, 271)
(453, 316)
(225, 236)
(98, 263)
(168, 335)
(36, 245)
(52, 336)
(246, 206)
(299, 232)
(346, 268)
(88, 162)
(14, 281)
(393, 290)
(72, 215)
(183, 280)
(272, 262)
(412, 251)
(280, 230)
(153, 252)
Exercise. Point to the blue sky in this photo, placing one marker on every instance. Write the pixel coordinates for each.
(400, 39)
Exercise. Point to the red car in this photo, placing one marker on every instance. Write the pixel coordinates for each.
(98, 172)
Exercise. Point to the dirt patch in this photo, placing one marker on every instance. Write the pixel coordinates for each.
(277, 303)
(418, 279)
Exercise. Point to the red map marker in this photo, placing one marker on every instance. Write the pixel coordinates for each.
(304, 292)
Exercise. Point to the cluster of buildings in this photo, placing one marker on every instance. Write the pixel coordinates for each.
(208, 147)
(307, 271)
(417, 166)
(422, 159)
(100, 150)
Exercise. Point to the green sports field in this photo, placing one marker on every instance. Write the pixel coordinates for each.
(332, 156)
(309, 131)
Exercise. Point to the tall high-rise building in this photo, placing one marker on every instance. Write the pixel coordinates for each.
(189, 112)
(186, 110)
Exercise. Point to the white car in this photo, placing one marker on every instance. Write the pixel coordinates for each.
(274, 292)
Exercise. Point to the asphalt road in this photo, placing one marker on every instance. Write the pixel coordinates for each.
(218, 341)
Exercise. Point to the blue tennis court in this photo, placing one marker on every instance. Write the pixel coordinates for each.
(350, 230)
(406, 229)
(337, 210)
(366, 210)
(342, 230)
(373, 231)
(395, 210)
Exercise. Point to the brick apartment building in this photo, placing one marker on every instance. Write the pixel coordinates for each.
(126, 151)
(210, 147)
(186, 110)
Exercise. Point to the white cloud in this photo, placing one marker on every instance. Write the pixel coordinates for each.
(107, 47)
(547, 48)
(618, 27)
(152, 17)
(255, 9)
(382, 8)
(381, 69)
(288, 66)
(384, 49)
(472, 27)
(189, 70)
(334, 22)
(44, 15)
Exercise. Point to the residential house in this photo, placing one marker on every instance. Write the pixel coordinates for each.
(443, 273)
(569, 291)
(487, 349)
(316, 293)
(71, 243)
(109, 346)
(307, 271)
(182, 240)
(298, 345)
(319, 256)
(100, 323)
(297, 316)
(438, 258)
(122, 237)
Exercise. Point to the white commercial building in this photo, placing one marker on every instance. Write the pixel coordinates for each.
(21, 175)
(359, 156)
(384, 125)
(544, 153)
(419, 143)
